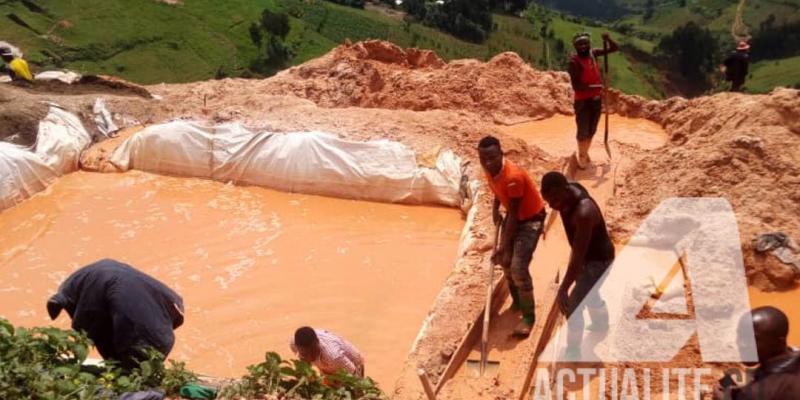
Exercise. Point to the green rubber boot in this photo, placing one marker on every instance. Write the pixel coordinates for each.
(528, 307)
(514, 297)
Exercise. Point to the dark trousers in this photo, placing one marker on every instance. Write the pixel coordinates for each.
(587, 116)
(590, 277)
(736, 86)
(518, 273)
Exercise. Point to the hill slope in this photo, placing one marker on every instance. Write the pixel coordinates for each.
(155, 42)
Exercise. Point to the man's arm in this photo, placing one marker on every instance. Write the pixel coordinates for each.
(612, 47)
(496, 217)
(585, 219)
(509, 228)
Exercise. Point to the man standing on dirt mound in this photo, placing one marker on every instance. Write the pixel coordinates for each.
(587, 82)
(592, 253)
(737, 66)
(524, 221)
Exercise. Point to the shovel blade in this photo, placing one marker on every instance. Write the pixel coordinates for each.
(474, 368)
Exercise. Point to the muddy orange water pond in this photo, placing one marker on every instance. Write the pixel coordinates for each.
(252, 264)
(788, 302)
(556, 135)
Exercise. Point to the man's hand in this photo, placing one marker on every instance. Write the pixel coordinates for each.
(562, 299)
(498, 257)
(606, 36)
(497, 218)
(721, 393)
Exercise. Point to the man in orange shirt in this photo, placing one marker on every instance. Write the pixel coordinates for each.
(525, 215)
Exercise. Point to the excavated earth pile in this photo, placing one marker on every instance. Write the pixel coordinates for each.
(741, 147)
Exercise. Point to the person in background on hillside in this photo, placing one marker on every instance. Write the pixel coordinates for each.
(122, 310)
(326, 351)
(587, 82)
(737, 66)
(778, 374)
(524, 222)
(15, 67)
(592, 254)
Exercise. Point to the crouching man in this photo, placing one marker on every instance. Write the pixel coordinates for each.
(326, 351)
(122, 310)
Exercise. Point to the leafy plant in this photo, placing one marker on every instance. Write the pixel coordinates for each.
(46, 364)
(297, 379)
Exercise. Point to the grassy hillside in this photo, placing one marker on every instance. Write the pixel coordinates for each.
(148, 41)
(717, 15)
(765, 75)
(152, 42)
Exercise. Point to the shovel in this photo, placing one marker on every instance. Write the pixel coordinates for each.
(484, 362)
(606, 82)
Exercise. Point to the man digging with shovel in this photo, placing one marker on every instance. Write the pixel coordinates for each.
(587, 82)
(525, 215)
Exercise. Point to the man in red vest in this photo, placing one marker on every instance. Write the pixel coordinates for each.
(584, 72)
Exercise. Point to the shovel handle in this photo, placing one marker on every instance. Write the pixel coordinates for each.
(487, 308)
(606, 82)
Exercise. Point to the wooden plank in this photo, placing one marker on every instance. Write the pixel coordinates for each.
(426, 384)
(473, 335)
(546, 333)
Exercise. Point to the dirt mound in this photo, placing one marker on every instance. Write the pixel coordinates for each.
(91, 84)
(743, 148)
(377, 74)
(19, 120)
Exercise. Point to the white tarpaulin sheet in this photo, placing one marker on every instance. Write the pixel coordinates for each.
(306, 162)
(68, 77)
(59, 142)
(22, 174)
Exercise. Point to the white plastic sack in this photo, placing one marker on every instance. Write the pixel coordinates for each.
(60, 140)
(22, 174)
(67, 77)
(105, 124)
(306, 162)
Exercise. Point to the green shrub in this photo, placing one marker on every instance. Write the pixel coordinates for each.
(296, 379)
(46, 364)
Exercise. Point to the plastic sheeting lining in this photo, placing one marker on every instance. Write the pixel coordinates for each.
(306, 162)
(22, 174)
(59, 142)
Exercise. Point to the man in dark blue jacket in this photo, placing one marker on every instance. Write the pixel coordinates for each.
(121, 309)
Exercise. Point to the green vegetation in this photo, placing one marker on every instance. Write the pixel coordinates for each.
(269, 37)
(46, 363)
(298, 380)
(690, 50)
(151, 42)
(766, 75)
(467, 19)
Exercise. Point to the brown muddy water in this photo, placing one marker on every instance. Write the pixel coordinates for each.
(252, 264)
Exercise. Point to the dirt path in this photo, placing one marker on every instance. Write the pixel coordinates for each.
(739, 30)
